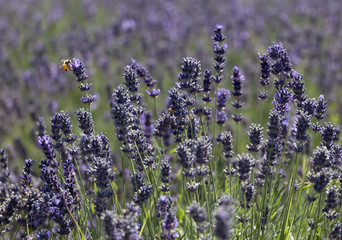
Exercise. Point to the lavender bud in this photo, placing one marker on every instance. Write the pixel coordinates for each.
(249, 192)
(188, 79)
(320, 159)
(275, 51)
(131, 79)
(265, 70)
(309, 106)
(321, 108)
(198, 214)
(79, 70)
(330, 134)
(208, 78)
(297, 85)
(237, 80)
(255, 137)
(226, 139)
(46, 145)
(223, 218)
(163, 206)
(243, 165)
(26, 178)
(84, 87)
(192, 187)
(169, 225)
(331, 203)
(218, 37)
(88, 99)
(165, 171)
(153, 93)
(85, 120)
(222, 97)
(302, 125)
(185, 155)
(221, 117)
(4, 165)
(320, 180)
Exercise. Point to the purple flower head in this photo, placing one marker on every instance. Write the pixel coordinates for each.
(285, 62)
(221, 117)
(26, 175)
(165, 172)
(185, 155)
(163, 206)
(46, 145)
(274, 125)
(237, 80)
(275, 51)
(281, 99)
(243, 165)
(218, 36)
(202, 150)
(170, 221)
(226, 139)
(302, 125)
(88, 99)
(265, 70)
(320, 180)
(131, 79)
(329, 133)
(197, 213)
(188, 78)
(255, 137)
(223, 218)
(322, 107)
(222, 96)
(85, 87)
(4, 163)
(147, 125)
(208, 78)
(141, 71)
(153, 93)
(79, 70)
(85, 120)
(220, 50)
(309, 106)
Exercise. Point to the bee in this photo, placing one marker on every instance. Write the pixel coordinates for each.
(66, 64)
(170, 111)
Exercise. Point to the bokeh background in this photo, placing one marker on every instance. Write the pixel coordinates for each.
(36, 34)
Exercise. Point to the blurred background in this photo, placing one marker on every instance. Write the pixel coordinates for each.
(35, 35)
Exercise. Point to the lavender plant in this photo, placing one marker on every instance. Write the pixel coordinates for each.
(186, 181)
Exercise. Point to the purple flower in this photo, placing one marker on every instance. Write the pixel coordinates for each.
(46, 145)
(188, 78)
(153, 93)
(275, 51)
(85, 120)
(88, 99)
(218, 37)
(221, 117)
(321, 108)
(226, 139)
(26, 178)
(131, 79)
(265, 70)
(255, 137)
(79, 70)
(222, 97)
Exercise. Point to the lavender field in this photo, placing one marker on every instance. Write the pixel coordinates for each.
(168, 119)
